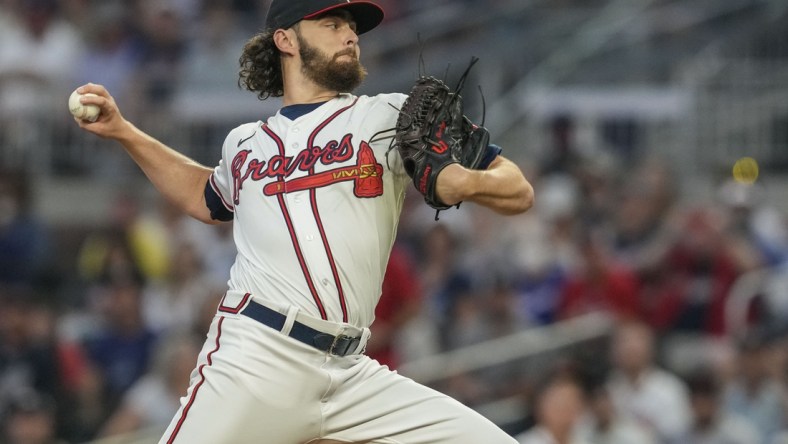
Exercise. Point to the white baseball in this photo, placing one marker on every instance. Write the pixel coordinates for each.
(80, 111)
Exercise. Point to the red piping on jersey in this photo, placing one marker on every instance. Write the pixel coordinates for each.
(199, 384)
(313, 198)
(330, 256)
(291, 229)
(233, 310)
(212, 181)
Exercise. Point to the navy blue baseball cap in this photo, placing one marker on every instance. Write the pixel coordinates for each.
(285, 13)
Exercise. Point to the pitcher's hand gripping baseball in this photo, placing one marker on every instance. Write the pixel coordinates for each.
(432, 133)
(109, 123)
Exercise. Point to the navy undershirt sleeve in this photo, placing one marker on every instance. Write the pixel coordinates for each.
(490, 154)
(214, 203)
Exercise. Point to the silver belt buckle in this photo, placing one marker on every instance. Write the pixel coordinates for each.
(343, 345)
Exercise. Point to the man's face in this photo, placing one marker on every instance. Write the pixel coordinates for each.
(330, 53)
(561, 406)
(704, 408)
(633, 348)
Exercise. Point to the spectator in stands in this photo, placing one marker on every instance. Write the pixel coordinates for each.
(643, 230)
(604, 425)
(208, 97)
(28, 363)
(485, 315)
(466, 324)
(562, 156)
(217, 249)
(559, 207)
(154, 398)
(446, 286)
(37, 55)
(654, 398)
(173, 303)
(455, 308)
(31, 420)
(465, 321)
(400, 302)
(599, 283)
(163, 46)
(131, 240)
(25, 245)
(703, 270)
(539, 284)
(757, 227)
(112, 56)
(599, 179)
(34, 358)
(710, 423)
(213, 244)
(543, 249)
(500, 309)
(559, 406)
(121, 349)
(595, 174)
(755, 394)
(158, 236)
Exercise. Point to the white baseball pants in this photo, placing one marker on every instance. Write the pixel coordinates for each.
(254, 385)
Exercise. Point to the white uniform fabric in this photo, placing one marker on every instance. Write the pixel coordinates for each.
(540, 435)
(659, 402)
(315, 215)
(316, 207)
(252, 385)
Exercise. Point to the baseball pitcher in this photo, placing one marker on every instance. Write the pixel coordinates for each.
(315, 193)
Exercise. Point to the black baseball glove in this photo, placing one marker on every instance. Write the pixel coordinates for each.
(432, 133)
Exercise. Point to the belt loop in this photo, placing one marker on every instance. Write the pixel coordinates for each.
(289, 320)
(362, 343)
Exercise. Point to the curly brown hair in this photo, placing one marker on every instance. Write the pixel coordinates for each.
(261, 67)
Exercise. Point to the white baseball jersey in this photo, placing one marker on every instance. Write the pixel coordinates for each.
(316, 206)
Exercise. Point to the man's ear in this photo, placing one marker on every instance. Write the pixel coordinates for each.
(286, 41)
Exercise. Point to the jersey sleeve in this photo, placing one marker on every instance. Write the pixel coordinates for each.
(219, 189)
(216, 203)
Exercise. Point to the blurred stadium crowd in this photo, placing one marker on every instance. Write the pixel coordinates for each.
(99, 331)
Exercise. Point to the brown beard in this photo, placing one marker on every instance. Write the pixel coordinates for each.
(328, 72)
